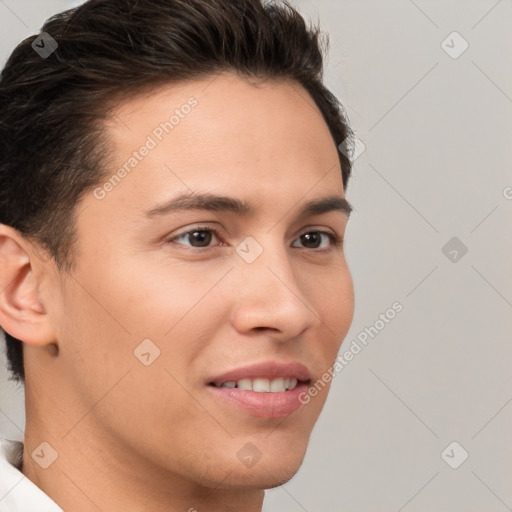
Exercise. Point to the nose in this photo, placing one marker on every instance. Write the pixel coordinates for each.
(271, 295)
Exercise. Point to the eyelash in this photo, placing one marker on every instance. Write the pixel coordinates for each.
(336, 241)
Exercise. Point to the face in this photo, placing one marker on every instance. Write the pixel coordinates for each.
(199, 327)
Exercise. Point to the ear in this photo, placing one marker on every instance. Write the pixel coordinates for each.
(22, 312)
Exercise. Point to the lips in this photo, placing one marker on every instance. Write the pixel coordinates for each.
(270, 371)
(268, 390)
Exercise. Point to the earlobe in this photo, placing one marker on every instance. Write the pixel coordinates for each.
(22, 313)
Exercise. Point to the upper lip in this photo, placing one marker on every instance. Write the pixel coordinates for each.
(266, 370)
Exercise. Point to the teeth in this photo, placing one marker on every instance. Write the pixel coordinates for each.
(277, 385)
(261, 385)
(244, 384)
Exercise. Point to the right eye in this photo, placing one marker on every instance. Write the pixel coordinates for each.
(200, 234)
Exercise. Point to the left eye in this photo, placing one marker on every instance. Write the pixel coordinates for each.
(203, 237)
(315, 236)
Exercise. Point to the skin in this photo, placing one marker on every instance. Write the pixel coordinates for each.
(151, 438)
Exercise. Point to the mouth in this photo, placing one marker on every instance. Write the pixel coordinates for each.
(261, 384)
(267, 390)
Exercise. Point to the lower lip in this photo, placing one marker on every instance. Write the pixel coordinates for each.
(264, 405)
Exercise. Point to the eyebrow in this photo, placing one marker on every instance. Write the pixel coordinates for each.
(218, 203)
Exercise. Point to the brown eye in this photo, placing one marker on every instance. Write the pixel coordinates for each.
(200, 237)
(312, 239)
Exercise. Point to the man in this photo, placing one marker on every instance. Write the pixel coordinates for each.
(172, 274)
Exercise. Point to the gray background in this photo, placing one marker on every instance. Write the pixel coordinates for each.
(436, 165)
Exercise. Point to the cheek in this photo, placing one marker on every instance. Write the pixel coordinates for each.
(336, 308)
(145, 298)
(158, 298)
(102, 331)
(334, 302)
(168, 312)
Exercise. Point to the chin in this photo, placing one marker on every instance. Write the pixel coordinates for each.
(268, 472)
(261, 478)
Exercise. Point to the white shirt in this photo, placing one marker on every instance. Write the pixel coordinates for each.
(17, 492)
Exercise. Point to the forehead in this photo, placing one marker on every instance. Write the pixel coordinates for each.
(265, 144)
(225, 118)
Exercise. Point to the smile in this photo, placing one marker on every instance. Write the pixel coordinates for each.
(262, 385)
(266, 390)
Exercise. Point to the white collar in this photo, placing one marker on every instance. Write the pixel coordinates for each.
(17, 492)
